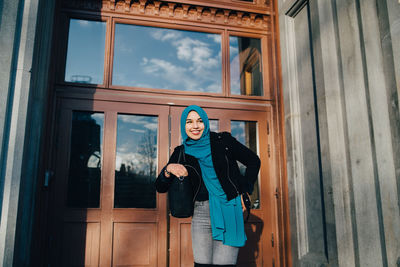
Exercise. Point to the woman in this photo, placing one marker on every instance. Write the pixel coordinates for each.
(210, 163)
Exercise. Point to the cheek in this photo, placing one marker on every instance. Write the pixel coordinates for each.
(186, 129)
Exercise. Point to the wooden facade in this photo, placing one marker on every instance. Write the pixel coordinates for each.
(107, 235)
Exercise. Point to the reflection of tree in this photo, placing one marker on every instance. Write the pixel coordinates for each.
(147, 150)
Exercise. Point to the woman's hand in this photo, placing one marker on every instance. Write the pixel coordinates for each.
(176, 169)
(243, 205)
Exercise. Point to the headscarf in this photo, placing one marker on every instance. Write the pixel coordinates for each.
(226, 216)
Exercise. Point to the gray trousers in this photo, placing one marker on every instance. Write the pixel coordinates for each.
(205, 249)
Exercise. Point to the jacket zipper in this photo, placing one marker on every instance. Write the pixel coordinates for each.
(229, 178)
(198, 189)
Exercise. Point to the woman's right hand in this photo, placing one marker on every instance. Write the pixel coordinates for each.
(176, 169)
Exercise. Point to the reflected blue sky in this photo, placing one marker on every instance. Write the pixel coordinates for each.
(238, 131)
(234, 64)
(85, 54)
(167, 59)
(134, 132)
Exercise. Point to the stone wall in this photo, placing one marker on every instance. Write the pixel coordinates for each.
(25, 41)
(340, 82)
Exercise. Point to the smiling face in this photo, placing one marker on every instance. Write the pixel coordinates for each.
(194, 126)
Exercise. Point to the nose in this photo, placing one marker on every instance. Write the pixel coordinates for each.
(195, 124)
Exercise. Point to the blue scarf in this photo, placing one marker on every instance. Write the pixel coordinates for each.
(226, 216)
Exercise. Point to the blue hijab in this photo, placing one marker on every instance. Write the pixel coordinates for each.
(226, 216)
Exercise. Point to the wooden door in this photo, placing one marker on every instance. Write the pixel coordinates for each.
(252, 128)
(106, 211)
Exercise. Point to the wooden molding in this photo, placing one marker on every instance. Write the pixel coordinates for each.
(260, 18)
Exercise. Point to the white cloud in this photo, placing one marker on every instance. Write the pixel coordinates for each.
(165, 35)
(216, 37)
(137, 130)
(233, 50)
(83, 23)
(151, 126)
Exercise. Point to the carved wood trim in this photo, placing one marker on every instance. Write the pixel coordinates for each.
(180, 11)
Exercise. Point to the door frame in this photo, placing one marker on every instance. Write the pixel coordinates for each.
(106, 215)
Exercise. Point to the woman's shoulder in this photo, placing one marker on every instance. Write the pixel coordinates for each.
(221, 136)
(178, 148)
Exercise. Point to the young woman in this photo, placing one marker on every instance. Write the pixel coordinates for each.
(210, 163)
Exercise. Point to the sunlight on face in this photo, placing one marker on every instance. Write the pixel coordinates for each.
(194, 126)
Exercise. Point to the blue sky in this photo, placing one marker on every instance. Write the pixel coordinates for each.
(86, 43)
(167, 59)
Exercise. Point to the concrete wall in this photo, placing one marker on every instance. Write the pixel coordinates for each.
(25, 38)
(340, 68)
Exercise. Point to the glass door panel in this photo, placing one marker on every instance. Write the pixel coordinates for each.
(136, 161)
(107, 159)
(246, 133)
(250, 128)
(85, 160)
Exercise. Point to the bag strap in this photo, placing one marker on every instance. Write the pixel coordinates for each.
(181, 154)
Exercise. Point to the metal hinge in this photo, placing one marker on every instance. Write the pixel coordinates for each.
(273, 262)
(268, 127)
(272, 240)
(269, 150)
(276, 192)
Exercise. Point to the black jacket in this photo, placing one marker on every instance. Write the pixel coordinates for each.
(225, 150)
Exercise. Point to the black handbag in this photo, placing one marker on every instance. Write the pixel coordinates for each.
(180, 194)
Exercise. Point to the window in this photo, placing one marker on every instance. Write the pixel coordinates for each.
(160, 58)
(85, 54)
(245, 66)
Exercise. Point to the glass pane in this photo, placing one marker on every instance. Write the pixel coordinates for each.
(214, 125)
(85, 160)
(246, 66)
(246, 133)
(85, 54)
(167, 59)
(136, 161)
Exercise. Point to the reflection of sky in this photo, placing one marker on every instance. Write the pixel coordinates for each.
(167, 59)
(238, 131)
(131, 132)
(214, 125)
(85, 56)
(234, 64)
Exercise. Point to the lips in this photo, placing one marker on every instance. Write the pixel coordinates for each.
(195, 132)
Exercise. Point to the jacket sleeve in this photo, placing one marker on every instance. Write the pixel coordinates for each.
(248, 158)
(163, 183)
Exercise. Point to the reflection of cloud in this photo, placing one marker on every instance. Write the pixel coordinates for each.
(197, 52)
(123, 46)
(233, 50)
(151, 126)
(173, 74)
(235, 75)
(165, 35)
(138, 119)
(98, 117)
(83, 23)
(238, 130)
(137, 130)
(216, 38)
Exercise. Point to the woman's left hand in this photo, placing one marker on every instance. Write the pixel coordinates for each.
(243, 205)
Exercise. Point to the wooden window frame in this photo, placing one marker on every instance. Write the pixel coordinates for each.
(111, 19)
